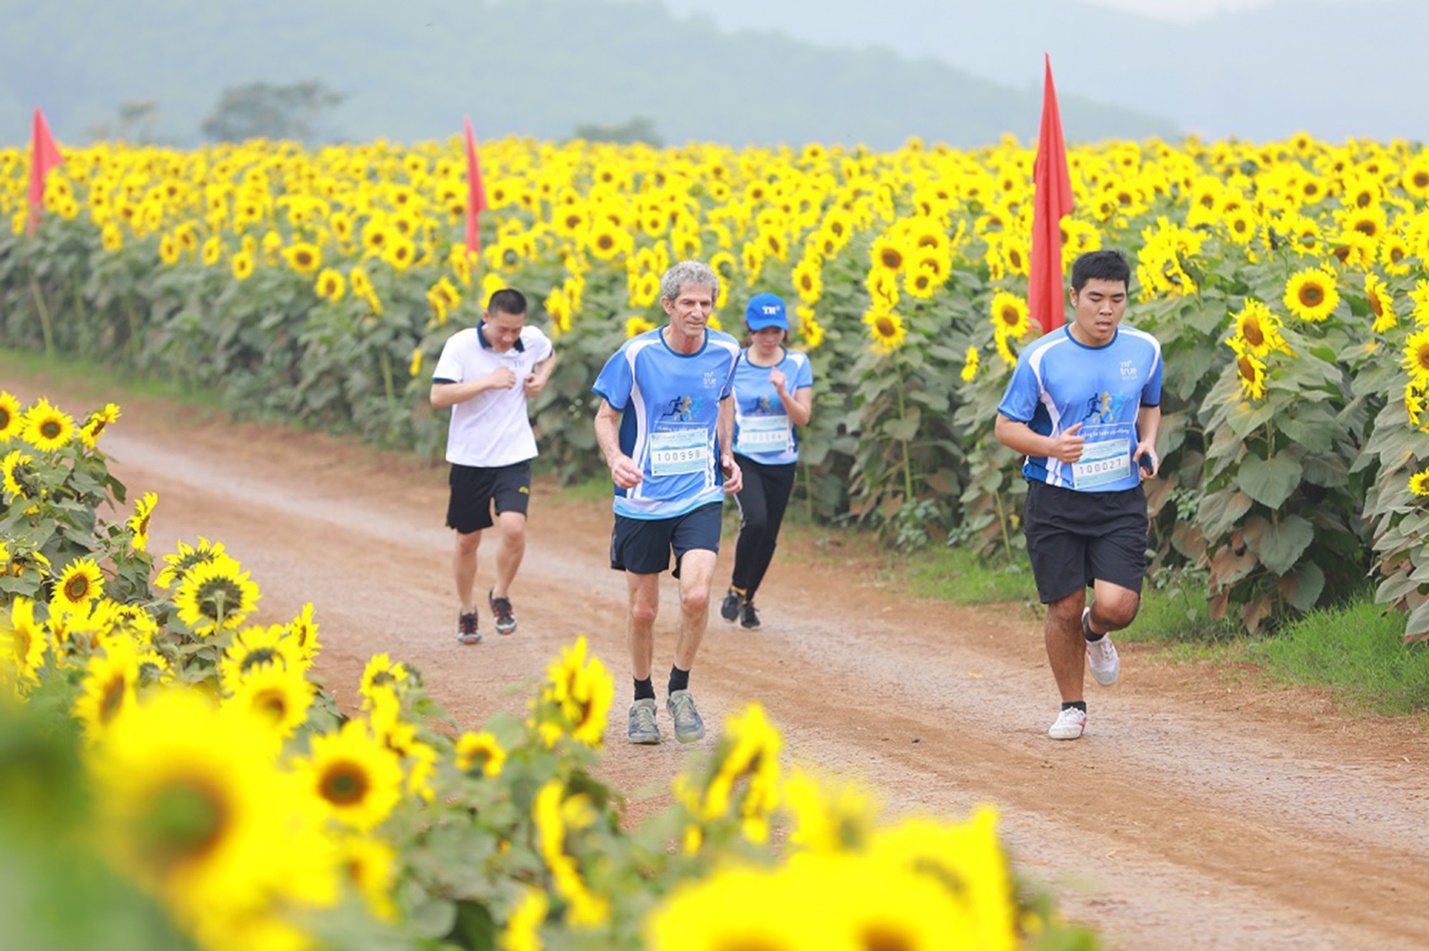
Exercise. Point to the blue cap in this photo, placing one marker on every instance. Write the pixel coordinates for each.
(765, 310)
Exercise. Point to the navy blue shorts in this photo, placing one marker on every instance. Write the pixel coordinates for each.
(475, 488)
(1075, 538)
(642, 546)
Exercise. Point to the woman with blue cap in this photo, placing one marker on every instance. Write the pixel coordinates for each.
(773, 393)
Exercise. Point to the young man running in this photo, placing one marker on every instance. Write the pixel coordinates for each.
(486, 374)
(665, 426)
(1084, 406)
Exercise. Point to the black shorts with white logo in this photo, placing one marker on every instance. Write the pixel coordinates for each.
(642, 546)
(475, 488)
(1075, 538)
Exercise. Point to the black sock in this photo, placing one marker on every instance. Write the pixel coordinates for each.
(1079, 704)
(644, 689)
(679, 679)
(1087, 631)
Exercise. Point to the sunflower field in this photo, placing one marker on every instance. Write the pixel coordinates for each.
(1286, 282)
(174, 775)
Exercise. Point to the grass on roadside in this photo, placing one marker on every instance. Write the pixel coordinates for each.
(101, 381)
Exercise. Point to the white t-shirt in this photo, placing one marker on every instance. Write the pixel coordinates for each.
(492, 428)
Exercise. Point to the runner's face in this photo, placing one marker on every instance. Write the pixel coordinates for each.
(502, 329)
(690, 310)
(1098, 308)
(768, 341)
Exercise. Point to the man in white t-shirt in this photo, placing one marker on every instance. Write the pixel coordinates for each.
(486, 374)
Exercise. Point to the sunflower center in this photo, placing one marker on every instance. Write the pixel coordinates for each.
(111, 698)
(5, 419)
(605, 242)
(1251, 331)
(77, 588)
(1312, 295)
(1376, 306)
(261, 655)
(885, 326)
(51, 429)
(272, 702)
(1367, 227)
(882, 937)
(344, 784)
(185, 820)
(1421, 358)
(1010, 317)
(1246, 368)
(891, 259)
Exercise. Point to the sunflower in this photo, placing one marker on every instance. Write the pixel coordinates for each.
(746, 908)
(382, 674)
(215, 594)
(1311, 295)
(523, 924)
(212, 251)
(888, 253)
(607, 241)
(810, 330)
(46, 427)
(1010, 316)
(357, 778)
(923, 281)
(138, 523)
(281, 695)
(637, 325)
(401, 252)
(1251, 372)
(1416, 357)
(330, 285)
(112, 237)
(169, 250)
(1258, 328)
(1240, 225)
(109, 685)
(94, 427)
(371, 868)
(12, 417)
(256, 647)
(970, 365)
(885, 328)
(1381, 304)
(808, 281)
(479, 751)
(576, 699)
(303, 257)
(179, 564)
(1419, 483)
(193, 806)
(78, 585)
(242, 263)
(558, 816)
(23, 644)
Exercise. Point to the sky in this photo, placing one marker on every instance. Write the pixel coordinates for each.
(1180, 11)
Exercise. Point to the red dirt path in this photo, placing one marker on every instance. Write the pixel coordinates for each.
(1202, 809)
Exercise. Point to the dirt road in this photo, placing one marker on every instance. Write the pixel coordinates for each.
(1198, 811)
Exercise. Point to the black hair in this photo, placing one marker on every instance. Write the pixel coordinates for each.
(1107, 264)
(507, 301)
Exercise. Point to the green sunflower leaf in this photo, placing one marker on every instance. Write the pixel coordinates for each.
(1270, 481)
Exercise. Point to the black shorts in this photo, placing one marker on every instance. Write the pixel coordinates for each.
(474, 488)
(642, 546)
(1075, 538)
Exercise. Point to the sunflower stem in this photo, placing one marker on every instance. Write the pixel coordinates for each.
(387, 378)
(44, 316)
(907, 463)
(1002, 524)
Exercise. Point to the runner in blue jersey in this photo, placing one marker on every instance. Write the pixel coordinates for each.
(666, 426)
(773, 393)
(1084, 406)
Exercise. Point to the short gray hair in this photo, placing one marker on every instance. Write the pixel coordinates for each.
(688, 274)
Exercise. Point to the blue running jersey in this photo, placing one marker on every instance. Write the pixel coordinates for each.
(1060, 382)
(762, 428)
(670, 406)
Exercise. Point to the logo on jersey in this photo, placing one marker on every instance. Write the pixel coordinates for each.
(712, 380)
(763, 405)
(1105, 408)
(684, 409)
(1128, 370)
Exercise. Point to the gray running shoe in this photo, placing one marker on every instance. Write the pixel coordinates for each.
(643, 728)
(466, 632)
(688, 725)
(748, 617)
(729, 610)
(501, 610)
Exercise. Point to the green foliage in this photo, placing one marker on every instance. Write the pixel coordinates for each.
(266, 111)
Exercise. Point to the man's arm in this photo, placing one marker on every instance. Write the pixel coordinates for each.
(1019, 437)
(1148, 425)
(724, 434)
(449, 394)
(623, 470)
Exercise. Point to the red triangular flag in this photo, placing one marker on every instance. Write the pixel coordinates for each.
(44, 155)
(476, 194)
(1051, 199)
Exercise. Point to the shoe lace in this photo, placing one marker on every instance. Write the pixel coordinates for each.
(644, 718)
(684, 707)
(502, 607)
(466, 623)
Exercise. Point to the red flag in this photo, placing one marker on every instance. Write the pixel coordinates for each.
(476, 194)
(44, 155)
(1051, 199)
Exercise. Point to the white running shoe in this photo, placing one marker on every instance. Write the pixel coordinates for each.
(1069, 725)
(1101, 655)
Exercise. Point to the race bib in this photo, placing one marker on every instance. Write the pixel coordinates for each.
(762, 434)
(679, 452)
(1102, 462)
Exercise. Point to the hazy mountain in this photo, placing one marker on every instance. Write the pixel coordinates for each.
(410, 71)
(1334, 68)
